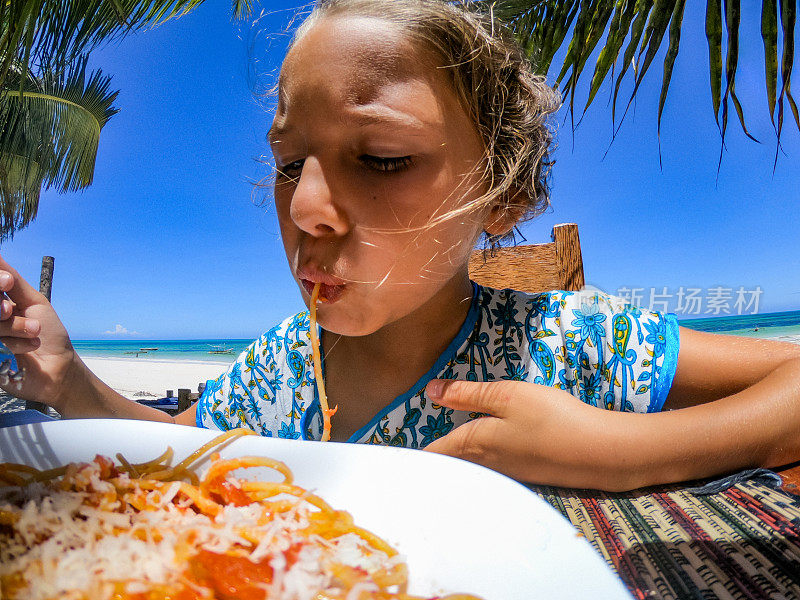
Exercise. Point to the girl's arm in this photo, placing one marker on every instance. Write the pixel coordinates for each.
(713, 366)
(54, 374)
(740, 407)
(86, 396)
(740, 404)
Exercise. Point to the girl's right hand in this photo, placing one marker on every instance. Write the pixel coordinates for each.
(30, 328)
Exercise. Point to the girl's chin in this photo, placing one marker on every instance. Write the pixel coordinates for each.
(341, 323)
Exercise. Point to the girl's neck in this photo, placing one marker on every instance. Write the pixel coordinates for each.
(365, 373)
(418, 338)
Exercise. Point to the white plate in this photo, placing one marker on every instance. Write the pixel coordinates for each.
(462, 528)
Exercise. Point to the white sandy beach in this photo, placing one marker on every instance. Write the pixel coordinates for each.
(145, 378)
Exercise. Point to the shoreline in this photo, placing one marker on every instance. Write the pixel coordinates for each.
(151, 377)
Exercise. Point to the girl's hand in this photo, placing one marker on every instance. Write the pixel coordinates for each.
(534, 433)
(30, 328)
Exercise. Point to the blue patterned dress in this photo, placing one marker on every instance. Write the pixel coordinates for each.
(596, 347)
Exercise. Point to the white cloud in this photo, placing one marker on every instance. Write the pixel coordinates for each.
(120, 330)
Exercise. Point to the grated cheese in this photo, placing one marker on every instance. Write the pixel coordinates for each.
(76, 544)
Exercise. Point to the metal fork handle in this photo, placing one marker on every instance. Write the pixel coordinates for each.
(7, 374)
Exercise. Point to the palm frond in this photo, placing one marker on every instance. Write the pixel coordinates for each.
(653, 35)
(540, 26)
(769, 35)
(642, 27)
(732, 19)
(55, 32)
(589, 27)
(620, 24)
(49, 133)
(788, 17)
(642, 10)
(669, 62)
(714, 39)
(241, 9)
(20, 185)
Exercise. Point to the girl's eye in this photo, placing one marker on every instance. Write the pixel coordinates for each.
(387, 165)
(291, 170)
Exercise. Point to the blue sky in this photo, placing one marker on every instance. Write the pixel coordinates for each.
(174, 241)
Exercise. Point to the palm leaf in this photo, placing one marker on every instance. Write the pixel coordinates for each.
(55, 32)
(589, 29)
(653, 35)
(669, 62)
(620, 23)
(714, 38)
(542, 26)
(642, 10)
(769, 35)
(563, 19)
(241, 9)
(20, 184)
(51, 112)
(50, 132)
(732, 18)
(788, 17)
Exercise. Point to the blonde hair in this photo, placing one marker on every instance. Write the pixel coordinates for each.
(495, 84)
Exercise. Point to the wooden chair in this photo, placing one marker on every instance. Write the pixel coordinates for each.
(533, 268)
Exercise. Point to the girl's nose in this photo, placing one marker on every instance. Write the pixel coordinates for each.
(313, 208)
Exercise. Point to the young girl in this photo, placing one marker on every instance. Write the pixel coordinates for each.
(405, 131)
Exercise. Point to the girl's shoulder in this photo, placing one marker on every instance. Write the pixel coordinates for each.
(555, 302)
(289, 340)
(594, 345)
(293, 331)
(269, 385)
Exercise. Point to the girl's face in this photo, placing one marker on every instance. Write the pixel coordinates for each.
(371, 145)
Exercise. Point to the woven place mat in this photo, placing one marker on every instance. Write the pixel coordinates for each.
(741, 543)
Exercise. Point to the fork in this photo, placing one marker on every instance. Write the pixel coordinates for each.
(9, 370)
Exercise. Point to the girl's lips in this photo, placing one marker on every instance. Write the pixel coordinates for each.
(328, 293)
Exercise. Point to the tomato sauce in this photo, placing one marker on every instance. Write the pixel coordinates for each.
(227, 493)
(231, 577)
(225, 576)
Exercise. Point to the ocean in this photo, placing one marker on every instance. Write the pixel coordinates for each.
(782, 325)
(779, 325)
(183, 350)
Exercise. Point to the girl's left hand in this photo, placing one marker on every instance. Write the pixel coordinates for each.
(534, 433)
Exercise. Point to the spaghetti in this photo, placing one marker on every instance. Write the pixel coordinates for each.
(150, 531)
(317, 357)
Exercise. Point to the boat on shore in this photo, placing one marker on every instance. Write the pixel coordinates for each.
(219, 349)
(141, 351)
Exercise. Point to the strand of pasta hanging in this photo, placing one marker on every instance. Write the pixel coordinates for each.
(327, 413)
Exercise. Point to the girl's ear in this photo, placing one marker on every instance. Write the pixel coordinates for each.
(504, 216)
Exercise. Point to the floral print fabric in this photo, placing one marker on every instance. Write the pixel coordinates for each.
(594, 346)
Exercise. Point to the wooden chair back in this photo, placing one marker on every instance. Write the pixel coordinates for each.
(533, 268)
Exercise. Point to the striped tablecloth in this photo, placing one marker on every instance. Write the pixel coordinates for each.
(740, 543)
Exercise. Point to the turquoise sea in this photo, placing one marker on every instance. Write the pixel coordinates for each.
(196, 350)
(783, 325)
(764, 325)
